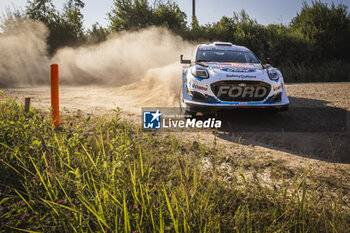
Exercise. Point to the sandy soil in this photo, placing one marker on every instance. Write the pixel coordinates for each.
(313, 133)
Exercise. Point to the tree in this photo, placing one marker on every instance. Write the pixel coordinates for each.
(72, 23)
(41, 10)
(326, 27)
(130, 15)
(224, 29)
(65, 29)
(249, 33)
(97, 34)
(137, 14)
(169, 15)
(44, 11)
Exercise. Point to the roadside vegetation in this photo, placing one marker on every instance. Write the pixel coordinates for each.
(315, 42)
(99, 174)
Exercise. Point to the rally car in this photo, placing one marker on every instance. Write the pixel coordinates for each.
(226, 76)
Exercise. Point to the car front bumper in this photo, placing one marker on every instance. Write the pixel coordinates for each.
(192, 105)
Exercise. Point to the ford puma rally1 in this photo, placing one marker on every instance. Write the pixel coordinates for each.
(227, 76)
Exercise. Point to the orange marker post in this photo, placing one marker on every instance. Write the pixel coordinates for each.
(54, 95)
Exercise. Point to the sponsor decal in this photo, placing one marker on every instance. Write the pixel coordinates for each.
(240, 65)
(277, 88)
(187, 90)
(152, 119)
(237, 69)
(242, 90)
(257, 66)
(221, 48)
(239, 76)
(221, 65)
(195, 86)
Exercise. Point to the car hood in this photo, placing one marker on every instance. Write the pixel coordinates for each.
(236, 70)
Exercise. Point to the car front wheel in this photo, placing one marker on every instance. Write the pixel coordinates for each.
(184, 111)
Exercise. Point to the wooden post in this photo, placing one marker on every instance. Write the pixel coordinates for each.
(26, 104)
(55, 95)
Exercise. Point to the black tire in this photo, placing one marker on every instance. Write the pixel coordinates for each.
(184, 111)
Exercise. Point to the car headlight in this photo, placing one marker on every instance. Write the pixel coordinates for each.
(199, 72)
(273, 73)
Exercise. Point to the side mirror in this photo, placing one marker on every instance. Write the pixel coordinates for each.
(184, 61)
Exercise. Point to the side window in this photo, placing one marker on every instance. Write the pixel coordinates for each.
(247, 58)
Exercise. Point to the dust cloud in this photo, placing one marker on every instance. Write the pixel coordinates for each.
(143, 66)
(23, 58)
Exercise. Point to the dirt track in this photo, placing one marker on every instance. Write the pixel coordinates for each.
(313, 132)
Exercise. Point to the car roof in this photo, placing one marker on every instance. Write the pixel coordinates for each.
(222, 46)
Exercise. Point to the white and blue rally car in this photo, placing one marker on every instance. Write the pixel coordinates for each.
(226, 76)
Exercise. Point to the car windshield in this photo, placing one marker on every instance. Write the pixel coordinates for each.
(226, 56)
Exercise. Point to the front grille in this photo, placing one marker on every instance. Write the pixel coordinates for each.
(241, 90)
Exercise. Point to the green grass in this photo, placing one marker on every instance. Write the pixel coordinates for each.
(332, 71)
(106, 175)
